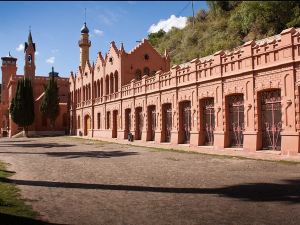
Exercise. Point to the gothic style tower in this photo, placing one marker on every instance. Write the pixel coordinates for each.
(29, 67)
(9, 69)
(84, 44)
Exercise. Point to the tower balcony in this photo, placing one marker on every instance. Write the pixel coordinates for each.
(84, 43)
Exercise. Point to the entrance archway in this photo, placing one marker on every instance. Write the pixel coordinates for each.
(270, 120)
(235, 123)
(139, 123)
(87, 124)
(115, 124)
(166, 122)
(207, 126)
(127, 122)
(151, 122)
(185, 122)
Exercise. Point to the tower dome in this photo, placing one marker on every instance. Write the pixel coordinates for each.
(84, 29)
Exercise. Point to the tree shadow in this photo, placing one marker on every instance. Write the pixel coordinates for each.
(14, 141)
(37, 145)
(73, 155)
(6, 219)
(256, 192)
(91, 154)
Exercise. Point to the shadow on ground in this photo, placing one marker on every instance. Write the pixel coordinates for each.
(72, 155)
(288, 191)
(6, 219)
(37, 145)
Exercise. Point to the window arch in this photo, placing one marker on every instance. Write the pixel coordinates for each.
(116, 82)
(146, 71)
(138, 74)
(107, 85)
(101, 87)
(111, 83)
(98, 88)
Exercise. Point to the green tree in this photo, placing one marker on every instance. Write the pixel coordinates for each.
(50, 103)
(22, 105)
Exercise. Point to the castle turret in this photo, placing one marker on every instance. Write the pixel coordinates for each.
(9, 69)
(84, 44)
(29, 67)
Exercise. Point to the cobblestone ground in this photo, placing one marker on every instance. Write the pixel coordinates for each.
(75, 181)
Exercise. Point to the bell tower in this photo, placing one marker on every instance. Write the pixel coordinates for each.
(29, 67)
(9, 70)
(84, 44)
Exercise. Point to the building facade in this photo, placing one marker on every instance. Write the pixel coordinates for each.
(247, 98)
(9, 86)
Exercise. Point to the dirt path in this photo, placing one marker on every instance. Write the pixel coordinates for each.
(73, 181)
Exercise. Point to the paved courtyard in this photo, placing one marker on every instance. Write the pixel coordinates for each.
(76, 181)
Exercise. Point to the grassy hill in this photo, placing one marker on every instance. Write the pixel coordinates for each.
(226, 25)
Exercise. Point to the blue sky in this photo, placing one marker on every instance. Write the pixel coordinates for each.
(56, 28)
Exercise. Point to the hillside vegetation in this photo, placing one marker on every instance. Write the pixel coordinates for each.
(226, 25)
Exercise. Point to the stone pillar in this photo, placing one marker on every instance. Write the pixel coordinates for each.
(250, 135)
(219, 133)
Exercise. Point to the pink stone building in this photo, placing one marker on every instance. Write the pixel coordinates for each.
(247, 98)
(9, 86)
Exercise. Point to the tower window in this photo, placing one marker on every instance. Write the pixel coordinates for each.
(110, 60)
(146, 57)
(29, 58)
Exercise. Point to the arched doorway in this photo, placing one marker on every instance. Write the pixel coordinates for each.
(139, 123)
(87, 124)
(207, 125)
(270, 119)
(127, 122)
(185, 122)
(151, 122)
(115, 124)
(235, 123)
(166, 122)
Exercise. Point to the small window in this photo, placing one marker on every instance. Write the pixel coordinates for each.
(146, 71)
(44, 121)
(78, 122)
(138, 74)
(29, 58)
(146, 57)
(110, 60)
(108, 121)
(65, 119)
(98, 120)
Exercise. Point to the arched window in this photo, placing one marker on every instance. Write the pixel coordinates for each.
(101, 87)
(98, 88)
(138, 74)
(116, 82)
(107, 85)
(153, 72)
(95, 91)
(111, 83)
(146, 71)
(83, 93)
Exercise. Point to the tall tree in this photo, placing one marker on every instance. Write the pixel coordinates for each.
(22, 105)
(50, 103)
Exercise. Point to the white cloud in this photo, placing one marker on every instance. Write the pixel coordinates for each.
(98, 32)
(54, 50)
(36, 53)
(51, 60)
(20, 48)
(166, 25)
